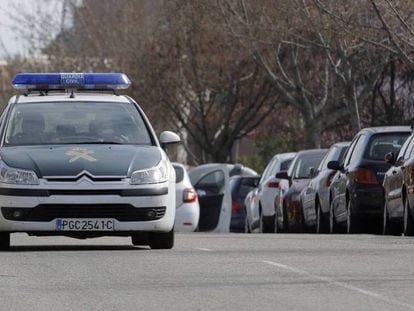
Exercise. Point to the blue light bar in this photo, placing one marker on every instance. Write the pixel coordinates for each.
(81, 81)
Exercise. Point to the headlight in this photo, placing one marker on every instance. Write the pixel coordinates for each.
(10, 175)
(152, 175)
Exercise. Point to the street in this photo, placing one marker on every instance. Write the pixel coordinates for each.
(210, 272)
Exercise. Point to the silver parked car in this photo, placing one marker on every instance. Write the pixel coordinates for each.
(187, 209)
(263, 215)
(315, 197)
(212, 183)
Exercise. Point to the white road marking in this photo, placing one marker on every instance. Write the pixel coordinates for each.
(341, 284)
(204, 249)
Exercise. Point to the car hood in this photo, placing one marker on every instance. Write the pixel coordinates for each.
(73, 160)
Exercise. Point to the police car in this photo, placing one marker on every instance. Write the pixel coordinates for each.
(83, 164)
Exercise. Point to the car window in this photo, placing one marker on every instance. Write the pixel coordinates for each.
(348, 153)
(404, 152)
(246, 185)
(410, 150)
(267, 170)
(358, 150)
(381, 144)
(330, 156)
(274, 169)
(179, 174)
(304, 163)
(75, 123)
(284, 166)
(212, 183)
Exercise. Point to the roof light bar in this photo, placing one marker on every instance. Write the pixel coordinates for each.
(81, 81)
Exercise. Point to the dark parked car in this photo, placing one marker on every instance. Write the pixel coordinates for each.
(289, 218)
(398, 191)
(356, 190)
(240, 186)
(315, 197)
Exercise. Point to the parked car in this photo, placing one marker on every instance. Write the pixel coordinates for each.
(268, 189)
(289, 218)
(398, 191)
(240, 186)
(356, 190)
(187, 210)
(315, 196)
(212, 183)
(252, 212)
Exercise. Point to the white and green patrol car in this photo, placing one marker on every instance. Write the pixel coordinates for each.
(83, 164)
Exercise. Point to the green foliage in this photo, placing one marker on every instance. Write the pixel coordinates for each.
(255, 162)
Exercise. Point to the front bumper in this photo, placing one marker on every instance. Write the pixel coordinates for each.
(39, 207)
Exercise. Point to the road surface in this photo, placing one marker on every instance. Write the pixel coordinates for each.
(210, 272)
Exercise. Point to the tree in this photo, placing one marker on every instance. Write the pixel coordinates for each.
(206, 81)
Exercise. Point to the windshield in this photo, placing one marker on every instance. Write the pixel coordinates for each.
(304, 164)
(381, 144)
(76, 123)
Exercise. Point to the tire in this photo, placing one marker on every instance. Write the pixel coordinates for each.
(321, 224)
(285, 220)
(161, 240)
(247, 226)
(278, 229)
(333, 225)
(408, 220)
(389, 227)
(352, 223)
(4, 241)
(268, 224)
(139, 239)
(303, 228)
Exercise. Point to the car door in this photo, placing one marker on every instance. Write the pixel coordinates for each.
(214, 200)
(393, 181)
(341, 178)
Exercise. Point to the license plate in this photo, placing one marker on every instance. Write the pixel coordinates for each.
(64, 224)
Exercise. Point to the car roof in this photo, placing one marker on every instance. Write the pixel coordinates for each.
(53, 97)
(385, 129)
(283, 156)
(342, 144)
(311, 151)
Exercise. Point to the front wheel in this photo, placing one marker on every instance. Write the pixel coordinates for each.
(247, 226)
(333, 225)
(4, 241)
(321, 225)
(389, 227)
(408, 220)
(161, 240)
(268, 224)
(352, 225)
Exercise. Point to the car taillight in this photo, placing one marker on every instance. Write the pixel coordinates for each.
(235, 207)
(329, 179)
(365, 176)
(189, 195)
(273, 184)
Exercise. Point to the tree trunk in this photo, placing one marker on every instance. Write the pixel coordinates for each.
(312, 128)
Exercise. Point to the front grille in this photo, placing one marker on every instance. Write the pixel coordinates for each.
(49, 212)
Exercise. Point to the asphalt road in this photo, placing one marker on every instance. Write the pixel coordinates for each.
(210, 272)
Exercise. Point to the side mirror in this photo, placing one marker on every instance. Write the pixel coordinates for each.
(334, 165)
(167, 138)
(282, 175)
(390, 158)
